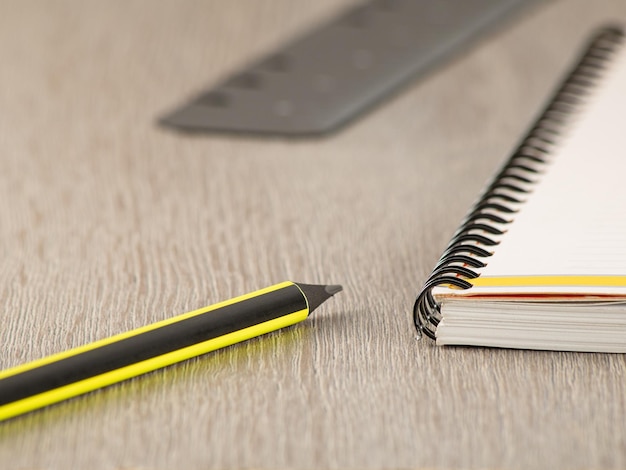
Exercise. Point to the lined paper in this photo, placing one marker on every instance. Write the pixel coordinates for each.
(572, 226)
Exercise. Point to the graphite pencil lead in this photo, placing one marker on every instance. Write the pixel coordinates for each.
(333, 289)
(318, 294)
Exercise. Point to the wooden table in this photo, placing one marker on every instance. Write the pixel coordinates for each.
(109, 222)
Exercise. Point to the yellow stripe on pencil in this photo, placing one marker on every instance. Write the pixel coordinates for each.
(81, 370)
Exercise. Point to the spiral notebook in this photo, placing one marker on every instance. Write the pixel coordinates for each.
(539, 262)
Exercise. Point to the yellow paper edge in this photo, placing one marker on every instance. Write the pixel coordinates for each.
(549, 281)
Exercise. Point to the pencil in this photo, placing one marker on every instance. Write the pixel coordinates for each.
(81, 370)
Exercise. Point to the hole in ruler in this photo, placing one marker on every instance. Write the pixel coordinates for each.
(278, 63)
(283, 108)
(217, 99)
(247, 80)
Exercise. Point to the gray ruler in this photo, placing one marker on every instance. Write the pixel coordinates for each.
(327, 77)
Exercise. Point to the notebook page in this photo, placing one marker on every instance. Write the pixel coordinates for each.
(570, 235)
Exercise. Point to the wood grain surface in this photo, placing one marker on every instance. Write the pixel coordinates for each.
(109, 222)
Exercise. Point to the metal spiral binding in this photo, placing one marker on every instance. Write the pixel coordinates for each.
(479, 232)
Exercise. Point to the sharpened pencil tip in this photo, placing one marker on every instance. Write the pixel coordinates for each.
(334, 289)
(316, 294)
